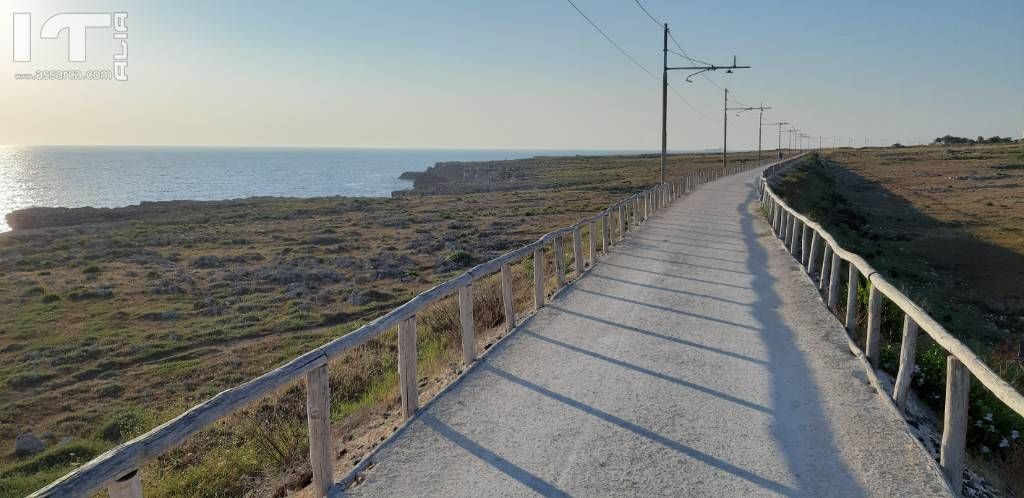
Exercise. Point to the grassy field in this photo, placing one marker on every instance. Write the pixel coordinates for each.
(946, 224)
(113, 321)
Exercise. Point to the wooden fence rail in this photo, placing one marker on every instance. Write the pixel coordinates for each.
(118, 470)
(962, 362)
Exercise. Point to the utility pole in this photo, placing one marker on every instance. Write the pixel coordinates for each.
(664, 100)
(780, 137)
(664, 90)
(725, 127)
(743, 109)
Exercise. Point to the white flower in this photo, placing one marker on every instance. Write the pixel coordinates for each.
(917, 368)
(1014, 434)
(984, 449)
(1004, 443)
(978, 423)
(988, 417)
(991, 428)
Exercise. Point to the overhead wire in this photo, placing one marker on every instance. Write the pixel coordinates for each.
(633, 59)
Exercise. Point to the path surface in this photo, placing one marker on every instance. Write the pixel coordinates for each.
(694, 360)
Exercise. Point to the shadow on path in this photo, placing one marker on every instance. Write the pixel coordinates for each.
(646, 371)
(644, 432)
(684, 342)
(506, 467)
(680, 277)
(670, 310)
(808, 449)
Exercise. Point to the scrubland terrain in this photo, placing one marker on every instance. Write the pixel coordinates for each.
(113, 321)
(946, 224)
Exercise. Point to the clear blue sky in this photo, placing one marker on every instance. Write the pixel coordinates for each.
(521, 74)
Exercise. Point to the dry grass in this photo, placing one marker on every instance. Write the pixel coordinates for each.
(174, 302)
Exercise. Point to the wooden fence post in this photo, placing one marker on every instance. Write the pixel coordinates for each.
(128, 486)
(833, 282)
(805, 245)
(812, 254)
(466, 322)
(795, 239)
(605, 242)
(776, 219)
(593, 244)
(874, 325)
(823, 276)
(538, 278)
(908, 352)
(577, 251)
(622, 221)
(407, 383)
(559, 261)
(318, 416)
(851, 298)
(506, 297)
(954, 422)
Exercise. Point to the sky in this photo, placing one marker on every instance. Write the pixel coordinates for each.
(530, 74)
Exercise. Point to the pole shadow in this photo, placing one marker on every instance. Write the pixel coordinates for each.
(795, 405)
(677, 340)
(506, 467)
(700, 456)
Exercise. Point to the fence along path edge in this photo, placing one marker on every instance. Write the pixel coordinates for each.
(961, 362)
(118, 469)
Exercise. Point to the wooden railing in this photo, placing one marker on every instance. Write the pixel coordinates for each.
(806, 240)
(117, 470)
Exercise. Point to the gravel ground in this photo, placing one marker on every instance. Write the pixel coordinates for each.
(695, 359)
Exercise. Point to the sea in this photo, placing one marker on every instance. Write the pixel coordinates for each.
(107, 176)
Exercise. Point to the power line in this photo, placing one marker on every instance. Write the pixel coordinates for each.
(656, 22)
(633, 60)
(616, 45)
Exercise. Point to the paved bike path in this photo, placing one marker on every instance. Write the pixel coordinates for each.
(694, 359)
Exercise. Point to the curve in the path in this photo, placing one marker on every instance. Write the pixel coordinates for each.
(694, 359)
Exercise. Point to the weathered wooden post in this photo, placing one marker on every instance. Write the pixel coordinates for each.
(796, 238)
(874, 336)
(908, 351)
(559, 261)
(622, 221)
(407, 386)
(851, 298)
(605, 240)
(833, 282)
(128, 486)
(593, 244)
(812, 254)
(825, 261)
(777, 219)
(466, 321)
(538, 278)
(805, 245)
(954, 422)
(506, 297)
(318, 418)
(577, 251)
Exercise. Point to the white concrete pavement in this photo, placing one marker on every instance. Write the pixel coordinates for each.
(694, 360)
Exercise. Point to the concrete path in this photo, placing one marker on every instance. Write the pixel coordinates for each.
(694, 360)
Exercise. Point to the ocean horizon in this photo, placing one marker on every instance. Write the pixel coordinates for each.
(116, 176)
